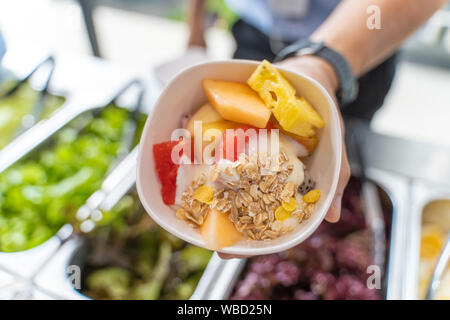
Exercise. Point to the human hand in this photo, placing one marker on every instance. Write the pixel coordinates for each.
(322, 72)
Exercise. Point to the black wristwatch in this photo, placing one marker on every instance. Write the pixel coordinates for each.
(348, 86)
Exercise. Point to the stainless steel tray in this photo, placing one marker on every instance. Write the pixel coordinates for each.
(45, 128)
(422, 193)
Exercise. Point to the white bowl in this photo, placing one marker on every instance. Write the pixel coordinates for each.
(185, 94)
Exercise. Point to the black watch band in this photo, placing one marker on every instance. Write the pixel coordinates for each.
(348, 86)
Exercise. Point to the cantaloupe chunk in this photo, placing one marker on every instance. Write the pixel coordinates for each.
(206, 114)
(236, 102)
(218, 231)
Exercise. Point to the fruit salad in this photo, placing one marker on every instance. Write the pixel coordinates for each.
(236, 171)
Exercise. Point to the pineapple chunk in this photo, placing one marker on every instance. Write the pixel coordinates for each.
(295, 115)
(270, 84)
(298, 116)
(235, 101)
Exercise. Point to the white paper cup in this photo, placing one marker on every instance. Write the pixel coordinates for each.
(184, 94)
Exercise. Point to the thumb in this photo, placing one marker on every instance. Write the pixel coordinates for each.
(334, 212)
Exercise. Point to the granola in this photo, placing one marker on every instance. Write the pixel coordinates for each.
(258, 202)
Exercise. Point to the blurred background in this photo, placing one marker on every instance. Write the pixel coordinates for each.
(103, 46)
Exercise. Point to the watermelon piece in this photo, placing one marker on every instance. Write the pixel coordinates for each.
(166, 169)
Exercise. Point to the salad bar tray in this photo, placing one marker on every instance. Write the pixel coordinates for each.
(429, 226)
(98, 265)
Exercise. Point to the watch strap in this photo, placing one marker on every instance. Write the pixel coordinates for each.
(348, 86)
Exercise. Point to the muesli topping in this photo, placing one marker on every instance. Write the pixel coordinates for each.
(257, 203)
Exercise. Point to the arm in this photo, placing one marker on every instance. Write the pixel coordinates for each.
(197, 23)
(346, 31)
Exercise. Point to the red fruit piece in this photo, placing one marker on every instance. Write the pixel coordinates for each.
(166, 169)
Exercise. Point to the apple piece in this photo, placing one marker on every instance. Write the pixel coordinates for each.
(236, 102)
(206, 114)
(295, 115)
(218, 231)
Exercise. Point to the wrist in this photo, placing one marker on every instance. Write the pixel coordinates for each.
(317, 68)
(327, 70)
(331, 67)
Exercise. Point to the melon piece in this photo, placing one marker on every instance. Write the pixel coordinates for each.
(236, 102)
(206, 114)
(295, 115)
(218, 231)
